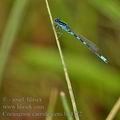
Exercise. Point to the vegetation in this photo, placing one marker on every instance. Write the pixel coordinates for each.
(29, 59)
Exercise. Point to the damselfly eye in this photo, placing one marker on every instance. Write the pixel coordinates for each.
(57, 20)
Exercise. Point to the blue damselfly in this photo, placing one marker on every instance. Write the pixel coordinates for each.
(90, 45)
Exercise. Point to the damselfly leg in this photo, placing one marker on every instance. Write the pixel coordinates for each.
(58, 30)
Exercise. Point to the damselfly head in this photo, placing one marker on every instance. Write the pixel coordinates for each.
(57, 20)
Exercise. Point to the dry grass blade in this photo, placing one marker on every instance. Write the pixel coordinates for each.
(64, 65)
(52, 103)
(114, 110)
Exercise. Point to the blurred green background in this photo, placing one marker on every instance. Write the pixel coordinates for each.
(33, 66)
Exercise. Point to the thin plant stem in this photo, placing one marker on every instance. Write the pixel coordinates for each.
(114, 110)
(52, 103)
(64, 65)
(68, 112)
(10, 33)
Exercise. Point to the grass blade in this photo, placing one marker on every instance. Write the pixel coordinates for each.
(10, 33)
(66, 106)
(63, 64)
(114, 110)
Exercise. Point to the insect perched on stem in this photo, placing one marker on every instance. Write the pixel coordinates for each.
(90, 45)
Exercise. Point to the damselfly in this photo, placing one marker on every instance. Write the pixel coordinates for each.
(90, 45)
